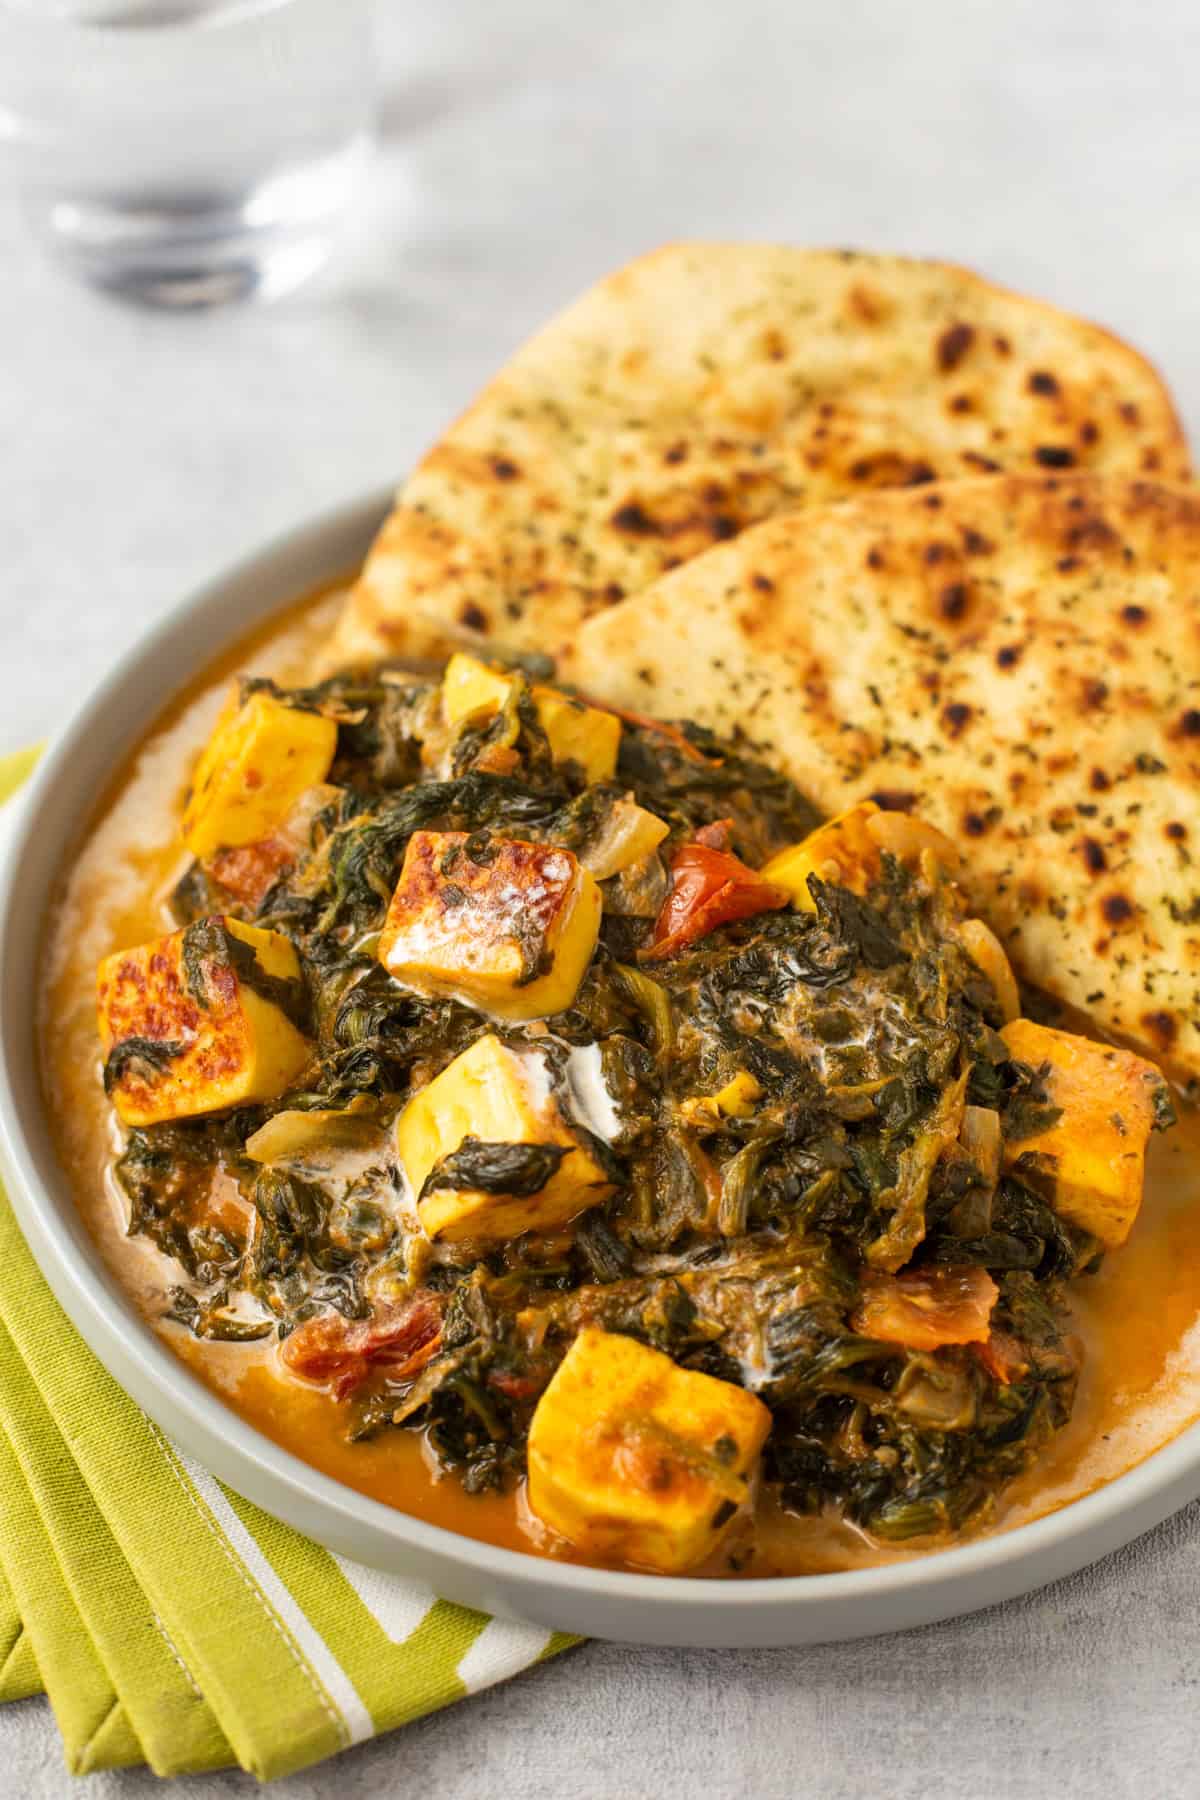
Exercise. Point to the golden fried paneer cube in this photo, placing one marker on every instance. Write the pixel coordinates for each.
(635, 1460)
(259, 760)
(512, 933)
(849, 850)
(487, 1116)
(199, 1021)
(1092, 1159)
(576, 732)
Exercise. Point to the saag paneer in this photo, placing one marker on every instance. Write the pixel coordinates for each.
(610, 1119)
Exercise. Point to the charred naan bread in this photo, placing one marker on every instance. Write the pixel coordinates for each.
(709, 386)
(1016, 658)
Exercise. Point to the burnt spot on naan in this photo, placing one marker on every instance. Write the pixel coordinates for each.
(889, 468)
(1162, 1029)
(952, 345)
(1091, 532)
(976, 463)
(1118, 910)
(868, 306)
(632, 517)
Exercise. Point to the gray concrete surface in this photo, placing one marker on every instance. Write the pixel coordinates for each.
(530, 146)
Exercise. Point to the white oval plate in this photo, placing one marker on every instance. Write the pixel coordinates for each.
(642, 1608)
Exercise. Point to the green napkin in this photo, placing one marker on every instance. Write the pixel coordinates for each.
(168, 1620)
(19, 1673)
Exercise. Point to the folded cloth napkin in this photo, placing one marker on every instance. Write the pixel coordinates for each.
(168, 1620)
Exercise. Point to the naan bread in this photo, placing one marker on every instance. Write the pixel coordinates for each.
(1018, 659)
(710, 386)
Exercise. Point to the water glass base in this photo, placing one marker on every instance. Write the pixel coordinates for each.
(197, 251)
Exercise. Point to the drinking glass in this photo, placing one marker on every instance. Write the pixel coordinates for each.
(187, 152)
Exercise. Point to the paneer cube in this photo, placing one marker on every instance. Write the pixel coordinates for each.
(262, 756)
(489, 1099)
(1092, 1160)
(839, 850)
(849, 850)
(576, 732)
(471, 686)
(198, 1021)
(635, 1460)
(512, 935)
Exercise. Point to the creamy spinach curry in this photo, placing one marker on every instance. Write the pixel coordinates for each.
(537, 1116)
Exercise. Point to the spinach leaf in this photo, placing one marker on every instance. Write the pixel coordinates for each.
(1028, 1109)
(152, 1056)
(856, 923)
(209, 941)
(519, 1170)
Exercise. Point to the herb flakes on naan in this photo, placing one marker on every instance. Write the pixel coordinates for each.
(707, 387)
(1017, 659)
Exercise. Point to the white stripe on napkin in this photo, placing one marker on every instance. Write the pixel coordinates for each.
(396, 1605)
(325, 1665)
(503, 1648)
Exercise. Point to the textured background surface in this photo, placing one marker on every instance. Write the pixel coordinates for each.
(528, 148)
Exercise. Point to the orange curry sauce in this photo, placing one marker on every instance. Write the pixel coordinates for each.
(1138, 1319)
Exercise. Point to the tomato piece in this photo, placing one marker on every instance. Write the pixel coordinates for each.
(708, 888)
(924, 1309)
(1003, 1356)
(514, 1386)
(249, 871)
(340, 1353)
(716, 835)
